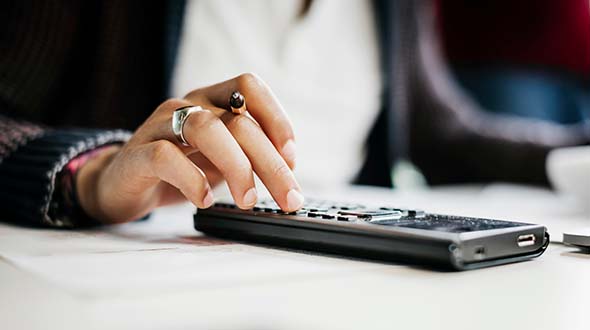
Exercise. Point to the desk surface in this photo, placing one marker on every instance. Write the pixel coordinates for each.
(162, 274)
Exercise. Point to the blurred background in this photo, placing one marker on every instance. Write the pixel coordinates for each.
(386, 93)
(526, 58)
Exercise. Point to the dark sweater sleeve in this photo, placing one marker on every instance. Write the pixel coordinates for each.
(31, 156)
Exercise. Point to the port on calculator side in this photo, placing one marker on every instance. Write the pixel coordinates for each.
(423, 247)
(489, 245)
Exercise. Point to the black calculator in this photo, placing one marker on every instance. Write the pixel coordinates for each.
(384, 233)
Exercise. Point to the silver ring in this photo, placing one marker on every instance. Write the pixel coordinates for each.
(179, 117)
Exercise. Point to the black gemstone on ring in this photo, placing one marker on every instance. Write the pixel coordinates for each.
(236, 100)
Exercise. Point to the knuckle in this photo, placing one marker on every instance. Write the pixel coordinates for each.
(201, 119)
(196, 96)
(281, 170)
(249, 80)
(192, 94)
(161, 151)
(238, 121)
(170, 105)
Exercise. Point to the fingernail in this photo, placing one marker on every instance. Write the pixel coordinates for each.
(294, 200)
(250, 197)
(288, 151)
(208, 200)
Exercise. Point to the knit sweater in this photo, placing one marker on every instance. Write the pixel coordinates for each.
(30, 158)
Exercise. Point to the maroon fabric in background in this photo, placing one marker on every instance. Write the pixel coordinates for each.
(553, 34)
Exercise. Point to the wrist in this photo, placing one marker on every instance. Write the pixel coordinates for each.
(87, 181)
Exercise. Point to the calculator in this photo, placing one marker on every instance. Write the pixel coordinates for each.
(385, 233)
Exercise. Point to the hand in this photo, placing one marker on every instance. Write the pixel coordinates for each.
(154, 169)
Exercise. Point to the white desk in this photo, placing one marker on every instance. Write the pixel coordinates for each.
(162, 274)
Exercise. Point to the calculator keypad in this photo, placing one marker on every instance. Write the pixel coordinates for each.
(321, 210)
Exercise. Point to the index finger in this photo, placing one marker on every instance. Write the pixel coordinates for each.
(264, 107)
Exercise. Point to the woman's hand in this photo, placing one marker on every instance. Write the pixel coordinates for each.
(154, 169)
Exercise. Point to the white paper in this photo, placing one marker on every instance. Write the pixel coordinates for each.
(165, 253)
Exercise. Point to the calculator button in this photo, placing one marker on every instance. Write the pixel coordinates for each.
(318, 209)
(371, 213)
(416, 213)
(328, 216)
(226, 205)
(391, 209)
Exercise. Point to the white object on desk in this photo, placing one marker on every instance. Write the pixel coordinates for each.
(579, 238)
(569, 172)
(162, 274)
